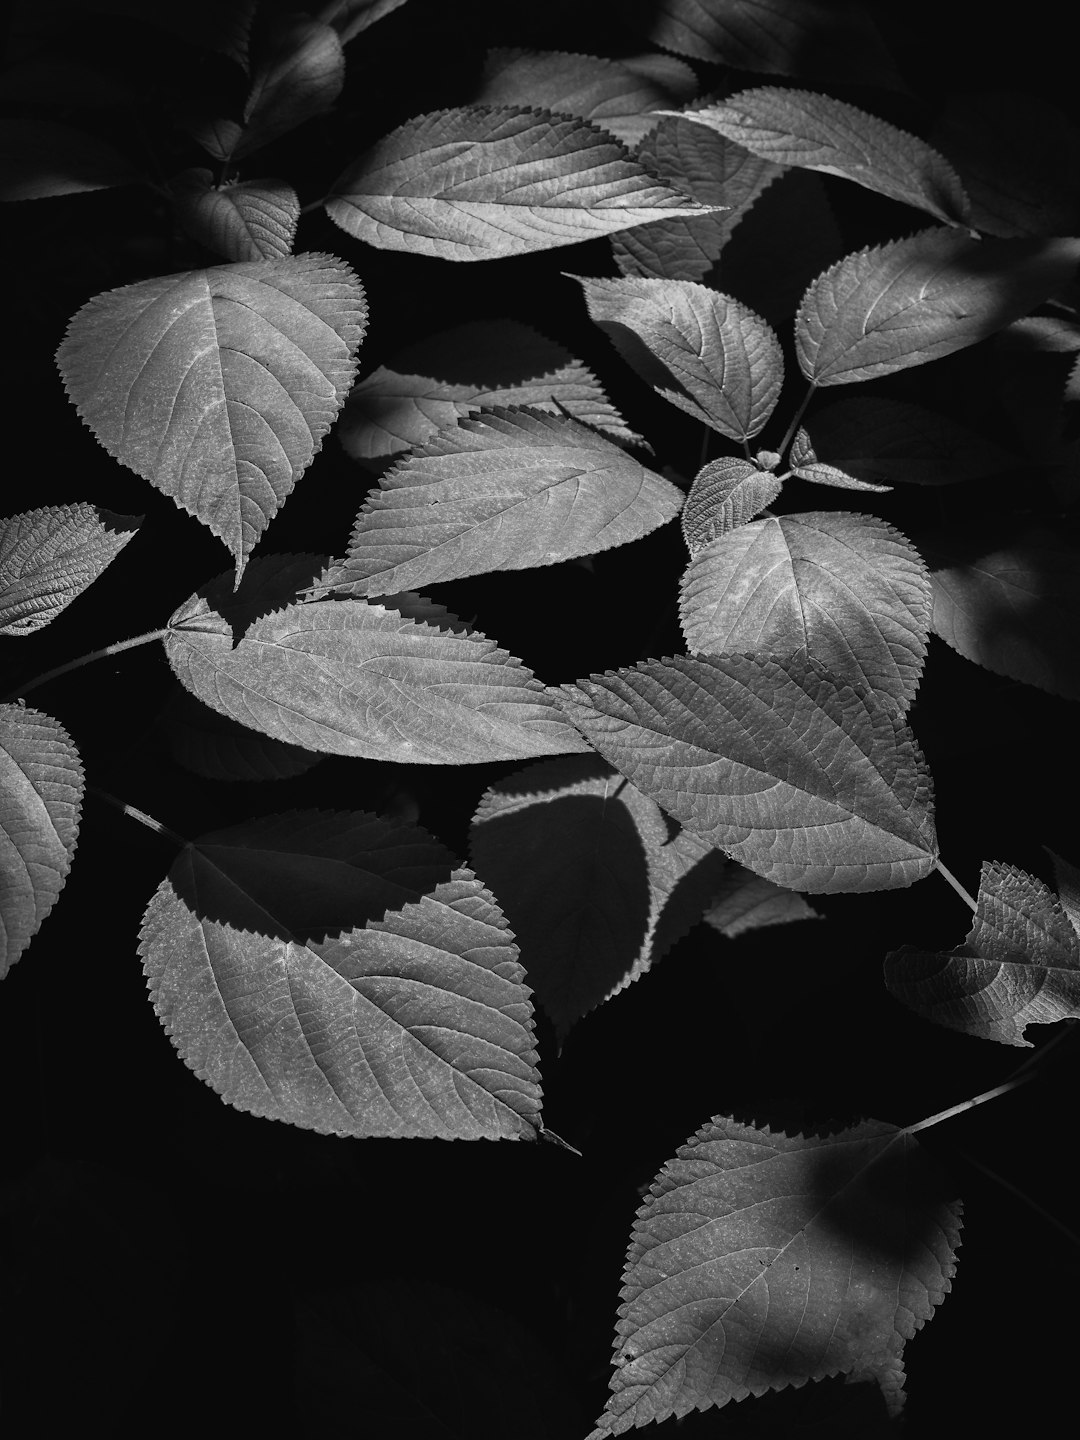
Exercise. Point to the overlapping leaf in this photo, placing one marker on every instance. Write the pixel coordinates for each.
(210, 744)
(726, 493)
(910, 301)
(219, 385)
(805, 464)
(41, 788)
(847, 589)
(40, 158)
(477, 183)
(805, 780)
(352, 17)
(49, 556)
(702, 351)
(508, 490)
(250, 220)
(816, 132)
(337, 972)
(589, 875)
(1019, 966)
(760, 1260)
(744, 901)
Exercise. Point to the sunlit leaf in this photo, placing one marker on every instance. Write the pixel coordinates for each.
(805, 464)
(249, 220)
(48, 557)
(726, 493)
(40, 158)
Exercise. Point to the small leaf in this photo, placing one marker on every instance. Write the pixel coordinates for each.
(508, 490)
(251, 220)
(760, 1260)
(726, 493)
(430, 385)
(41, 788)
(336, 972)
(745, 902)
(478, 183)
(1019, 966)
(219, 385)
(348, 677)
(804, 780)
(816, 132)
(299, 73)
(806, 465)
(702, 351)
(918, 299)
(591, 879)
(48, 557)
(847, 589)
(42, 158)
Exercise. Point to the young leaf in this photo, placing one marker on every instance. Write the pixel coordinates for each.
(430, 385)
(218, 385)
(505, 491)
(1019, 966)
(591, 879)
(336, 972)
(48, 557)
(346, 677)
(915, 300)
(806, 465)
(251, 220)
(816, 132)
(744, 901)
(726, 493)
(41, 788)
(478, 183)
(299, 74)
(803, 779)
(760, 1260)
(1009, 599)
(847, 589)
(702, 351)
(41, 158)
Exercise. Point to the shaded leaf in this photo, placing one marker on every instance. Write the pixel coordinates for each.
(250, 220)
(334, 970)
(219, 385)
(847, 589)
(1067, 880)
(477, 183)
(299, 73)
(41, 788)
(910, 301)
(435, 382)
(590, 877)
(726, 493)
(352, 17)
(1019, 966)
(744, 901)
(220, 25)
(41, 158)
(212, 745)
(806, 465)
(760, 1260)
(508, 490)
(704, 352)
(816, 132)
(49, 556)
(807, 781)
(1008, 598)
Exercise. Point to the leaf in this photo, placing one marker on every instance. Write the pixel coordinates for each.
(1067, 880)
(704, 352)
(478, 183)
(1019, 966)
(348, 677)
(508, 490)
(430, 385)
(915, 300)
(250, 220)
(219, 385)
(352, 17)
(807, 781)
(816, 132)
(616, 95)
(590, 877)
(847, 589)
(49, 556)
(878, 440)
(745, 902)
(806, 466)
(760, 1260)
(41, 788)
(299, 73)
(726, 493)
(211, 745)
(1008, 598)
(43, 158)
(334, 970)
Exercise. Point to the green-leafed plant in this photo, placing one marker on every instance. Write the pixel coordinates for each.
(333, 964)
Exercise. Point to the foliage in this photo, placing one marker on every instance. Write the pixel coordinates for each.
(594, 636)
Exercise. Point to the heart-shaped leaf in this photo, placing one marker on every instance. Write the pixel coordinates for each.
(335, 971)
(478, 183)
(219, 385)
(805, 780)
(250, 220)
(726, 493)
(48, 557)
(41, 787)
(760, 1260)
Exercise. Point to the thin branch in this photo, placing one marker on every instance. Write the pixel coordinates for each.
(135, 814)
(115, 649)
(1012, 1083)
(799, 413)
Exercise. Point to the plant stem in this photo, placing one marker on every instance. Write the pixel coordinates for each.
(85, 660)
(136, 814)
(799, 413)
(1021, 1195)
(951, 878)
(1002, 1089)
